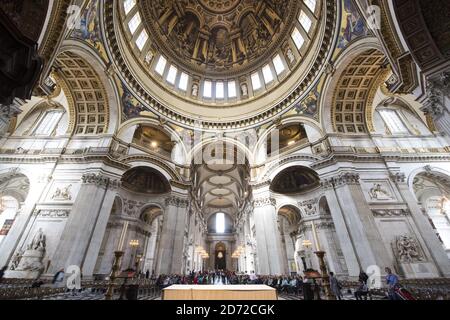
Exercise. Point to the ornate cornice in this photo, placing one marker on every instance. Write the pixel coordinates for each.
(385, 213)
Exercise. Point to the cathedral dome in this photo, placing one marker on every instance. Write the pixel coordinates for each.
(249, 59)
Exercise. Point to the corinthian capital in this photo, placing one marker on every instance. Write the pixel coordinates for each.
(346, 178)
(100, 180)
(177, 202)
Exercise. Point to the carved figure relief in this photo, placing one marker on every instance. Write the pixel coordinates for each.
(408, 249)
(377, 192)
(63, 194)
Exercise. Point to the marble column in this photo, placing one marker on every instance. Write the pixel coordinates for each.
(90, 259)
(365, 237)
(268, 240)
(90, 213)
(172, 237)
(340, 223)
(422, 223)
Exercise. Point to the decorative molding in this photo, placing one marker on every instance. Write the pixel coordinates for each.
(390, 213)
(132, 207)
(177, 202)
(263, 202)
(52, 213)
(100, 180)
(398, 177)
(347, 178)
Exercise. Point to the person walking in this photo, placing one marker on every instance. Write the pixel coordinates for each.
(335, 286)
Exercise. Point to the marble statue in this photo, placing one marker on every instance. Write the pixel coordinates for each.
(38, 242)
(195, 90)
(290, 55)
(149, 57)
(244, 89)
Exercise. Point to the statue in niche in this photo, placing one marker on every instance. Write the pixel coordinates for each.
(244, 89)
(290, 55)
(378, 193)
(408, 249)
(38, 242)
(149, 58)
(195, 90)
(63, 194)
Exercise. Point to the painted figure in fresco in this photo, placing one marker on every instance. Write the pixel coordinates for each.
(129, 108)
(354, 26)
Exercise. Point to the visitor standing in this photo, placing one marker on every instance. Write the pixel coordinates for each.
(335, 286)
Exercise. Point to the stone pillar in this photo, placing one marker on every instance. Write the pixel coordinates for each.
(90, 260)
(172, 237)
(421, 221)
(86, 224)
(437, 103)
(364, 234)
(268, 240)
(340, 223)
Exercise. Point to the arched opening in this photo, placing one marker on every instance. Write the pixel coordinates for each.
(220, 223)
(153, 217)
(145, 180)
(220, 257)
(432, 190)
(110, 242)
(14, 190)
(286, 137)
(289, 218)
(395, 117)
(294, 180)
(153, 139)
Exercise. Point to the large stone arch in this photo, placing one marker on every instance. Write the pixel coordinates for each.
(92, 96)
(366, 50)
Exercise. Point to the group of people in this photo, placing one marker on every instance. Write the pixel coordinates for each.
(309, 287)
(363, 289)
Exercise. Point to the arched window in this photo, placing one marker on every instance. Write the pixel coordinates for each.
(394, 120)
(220, 223)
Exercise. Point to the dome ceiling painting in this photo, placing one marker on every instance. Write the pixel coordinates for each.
(218, 36)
